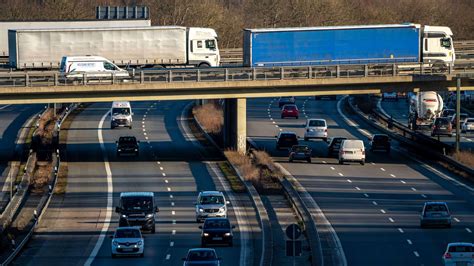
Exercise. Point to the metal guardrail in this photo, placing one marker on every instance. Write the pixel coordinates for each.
(27, 79)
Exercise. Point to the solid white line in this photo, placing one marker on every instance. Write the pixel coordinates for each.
(168, 256)
(400, 230)
(409, 242)
(382, 211)
(416, 253)
(391, 220)
(171, 244)
(468, 230)
(456, 219)
(5, 106)
(375, 203)
(110, 190)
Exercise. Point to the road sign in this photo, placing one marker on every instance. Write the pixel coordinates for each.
(293, 231)
(293, 248)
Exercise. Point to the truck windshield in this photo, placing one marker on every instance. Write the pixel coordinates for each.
(121, 111)
(133, 204)
(446, 43)
(212, 200)
(210, 44)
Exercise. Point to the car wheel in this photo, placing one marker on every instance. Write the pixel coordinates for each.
(341, 161)
(309, 160)
(325, 139)
(142, 255)
(362, 162)
(153, 230)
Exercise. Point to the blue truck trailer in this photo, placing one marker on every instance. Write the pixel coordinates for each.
(339, 45)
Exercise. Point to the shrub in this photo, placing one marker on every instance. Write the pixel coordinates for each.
(210, 116)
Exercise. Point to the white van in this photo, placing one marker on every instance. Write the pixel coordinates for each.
(352, 151)
(121, 115)
(92, 66)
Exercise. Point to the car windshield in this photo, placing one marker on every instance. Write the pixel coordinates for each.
(470, 120)
(201, 255)
(460, 249)
(128, 140)
(220, 223)
(436, 208)
(127, 233)
(137, 203)
(317, 123)
(212, 200)
(121, 111)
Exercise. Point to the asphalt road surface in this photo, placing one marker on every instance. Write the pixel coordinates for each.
(374, 209)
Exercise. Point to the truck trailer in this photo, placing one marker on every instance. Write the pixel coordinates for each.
(10, 25)
(168, 46)
(371, 44)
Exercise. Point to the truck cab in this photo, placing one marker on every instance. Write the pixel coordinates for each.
(437, 44)
(121, 115)
(137, 209)
(202, 47)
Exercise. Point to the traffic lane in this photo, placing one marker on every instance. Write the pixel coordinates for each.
(176, 180)
(69, 228)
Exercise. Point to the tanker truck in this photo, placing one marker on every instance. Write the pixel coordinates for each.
(424, 107)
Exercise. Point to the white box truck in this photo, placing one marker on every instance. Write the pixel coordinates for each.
(167, 46)
(11, 25)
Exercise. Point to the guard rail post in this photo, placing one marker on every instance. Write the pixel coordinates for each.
(27, 79)
(310, 72)
(142, 77)
(366, 70)
(198, 76)
(394, 70)
(254, 73)
(226, 74)
(338, 71)
(113, 78)
(170, 76)
(84, 79)
(282, 73)
(56, 79)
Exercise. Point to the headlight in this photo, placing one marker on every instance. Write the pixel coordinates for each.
(222, 209)
(201, 210)
(140, 243)
(114, 243)
(113, 119)
(124, 216)
(136, 149)
(119, 149)
(227, 234)
(206, 234)
(149, 215)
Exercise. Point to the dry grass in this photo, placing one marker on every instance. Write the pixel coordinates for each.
(41, 178)
(46, 125)
(465, 157)
(263, 159)
(210, 116)
(244, 164)
(234, 181)
(61, 183)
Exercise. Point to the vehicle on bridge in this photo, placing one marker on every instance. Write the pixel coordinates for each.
(366, 44)
(352, 150)
(202, 256)
(95, 67)
(424, 108)
(128, 145)
(137, 209)
(121, 115)
(164, 46)
(128, 241)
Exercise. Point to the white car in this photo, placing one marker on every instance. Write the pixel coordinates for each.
(128, 241)
(352, 151)
(210, 204)
(459, 254)
(316, 129)
(93, 66)
(389, 96)
(468, 125)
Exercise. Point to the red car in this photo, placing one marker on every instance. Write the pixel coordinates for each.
(289, 110)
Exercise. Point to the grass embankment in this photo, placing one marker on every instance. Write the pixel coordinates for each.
(465, 157)
(210, 116)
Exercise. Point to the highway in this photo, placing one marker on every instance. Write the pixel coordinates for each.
(373, 209)
(399, 112)
(12, 119)
(76, 230)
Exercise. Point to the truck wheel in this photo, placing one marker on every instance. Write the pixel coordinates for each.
(362, 162)
(341, 162)
(204, 65)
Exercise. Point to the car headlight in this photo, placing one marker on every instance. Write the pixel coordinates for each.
(124, 216)
(206, 234)
(227, 234)
(222, 209)
(201, 210)
(150, 215)
(113, 119)
(136, 149)
(140, 243)
(114, 243)
(119, 149)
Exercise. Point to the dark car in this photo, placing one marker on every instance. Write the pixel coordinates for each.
(448, 112)
(217, 231)
(442, 126)
(286, 100)
(435, 213)
(300, 152)
(286, 140)
(289, 110)
(202, 256)
(379, 142)
(334, 145)
(127, 145)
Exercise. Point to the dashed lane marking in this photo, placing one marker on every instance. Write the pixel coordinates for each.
(173, 213)
(161, 168)
(357, 188)
(409, 242)
(166, 181)
(341, 174)
(163, 174)
(403, 182)
(332, 168)
(400, 230)
(416, 253)
(171, 244)
(382, 169)
(375, 203)
(457, 220)
(171, 196)
(172, 204)
(382, 211)
(173, 222)
(173, 232)
(348, 180)
(424, 196)
(169, 189)
(468, 230)
(391, 220)
(414, 189)
(168, 256)
(366, 195)
(392, 175)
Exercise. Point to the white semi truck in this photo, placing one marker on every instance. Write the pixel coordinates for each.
(424, 108)
(10, 25)
(167, 46)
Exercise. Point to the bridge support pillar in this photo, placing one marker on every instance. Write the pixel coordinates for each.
(235, 124)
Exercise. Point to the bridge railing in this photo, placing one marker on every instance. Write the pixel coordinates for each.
(222, 74)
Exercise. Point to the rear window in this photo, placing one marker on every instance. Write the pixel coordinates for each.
(353, 144)
(471, 120)
(290, 107)
(317, 123)
(460, 249)
(288, 136)
(224, 224)
(436, 208)
(380, 138)
(441, 122)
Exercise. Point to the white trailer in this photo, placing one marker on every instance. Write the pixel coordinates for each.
(138, 46)
(10, 25)
(424, 108)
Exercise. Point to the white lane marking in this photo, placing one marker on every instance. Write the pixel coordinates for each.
(375, 203)
(144, 129)
(161, 168)
(276, 126)
(340, 174)
(143, 119)
(372, 163)
(173, 222)
(166, 181)
(468, 230)
(163, 174)
(171, 196)
(414, 189)
(171, 244)
(281, 129)
(143, 122)
(173, 232)
(424, 196)
(273, 121)
(366, 195)
(146, 137)
(392, 175)
(382, 211)
(5, 106)
(172, 203)
(173, 213)
(409, 242)
(143, 126)
(169, 189)
(144, 134)
(416, 253)
(382, 169)
(403, 182)
(391, 220)
(144, 116)
(348, 180)
(457, 220)
(357, 188)
(400, 230)
(332, 168)
(158, 162)
(324, 162)
(168, 256)
(110, 190)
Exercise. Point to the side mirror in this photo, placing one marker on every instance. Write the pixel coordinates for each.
(276, 136)
(157, 209)
(116, 142)
(200, 227)
(118, 209)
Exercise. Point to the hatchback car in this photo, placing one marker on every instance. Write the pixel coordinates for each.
(217, 231)
(210, 204)
(468, 125)
(316, 129)
(462, 117)
(128, 241)
(442, 126)
(435, 213)
(379, 142)
(352, 151)
(300, 152)
(286, 100)
(286, 140)
(334, 144)
(448, 112)
(459, 254)
(202, 256)
(290, 110)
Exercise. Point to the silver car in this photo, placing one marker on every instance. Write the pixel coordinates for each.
(127, 241)
(435, 213)
(210, 204)
(459, 254)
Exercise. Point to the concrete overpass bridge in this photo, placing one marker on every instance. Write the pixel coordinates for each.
(233, 84)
